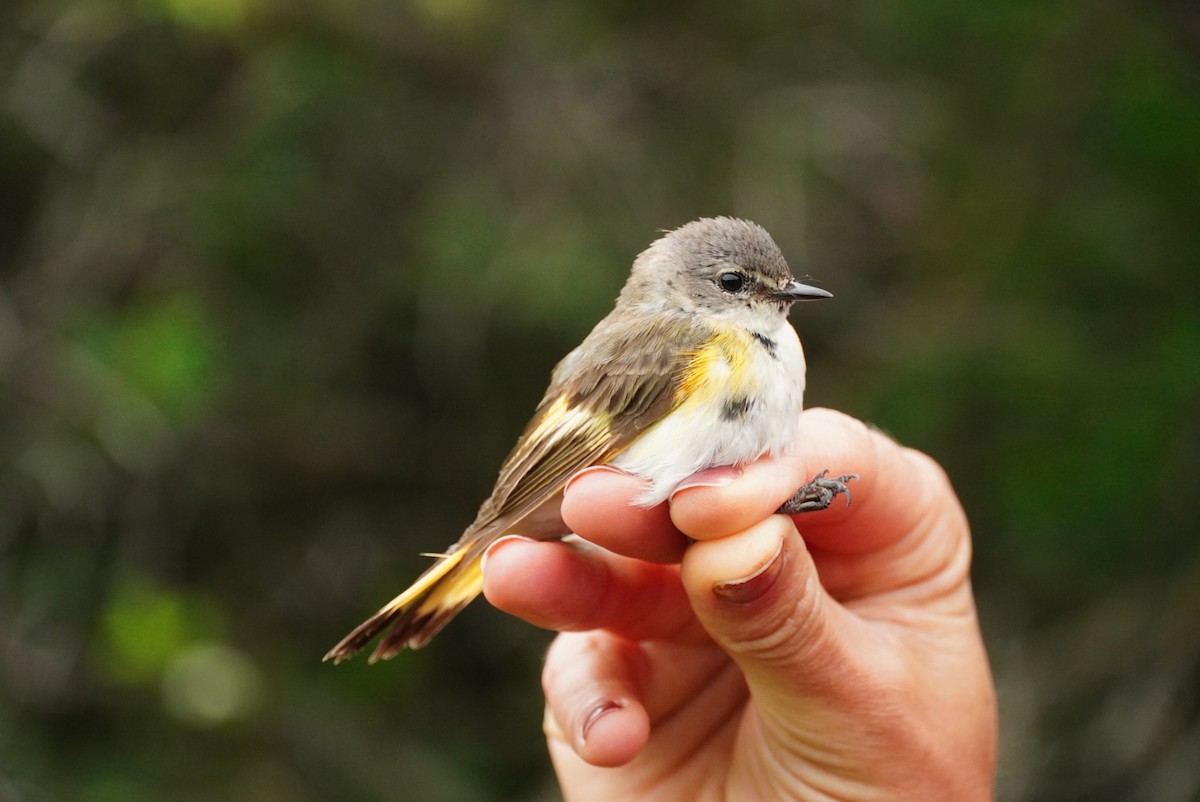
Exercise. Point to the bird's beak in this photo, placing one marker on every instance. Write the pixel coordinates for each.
(795, 291)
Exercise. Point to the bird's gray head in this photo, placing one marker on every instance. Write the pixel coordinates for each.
(717, 266)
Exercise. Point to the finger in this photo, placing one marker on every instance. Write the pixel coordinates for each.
(825, 440)
(593, 687)
(927, 564)
(757, 595)
(902, 529)
(600, 505)
(894, 491)
(601, 690)
(575, 586)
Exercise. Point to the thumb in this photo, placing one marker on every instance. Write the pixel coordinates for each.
(758, 596)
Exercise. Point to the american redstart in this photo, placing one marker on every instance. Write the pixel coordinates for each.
(696, 366)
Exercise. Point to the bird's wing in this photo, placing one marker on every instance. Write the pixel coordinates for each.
(620, 381)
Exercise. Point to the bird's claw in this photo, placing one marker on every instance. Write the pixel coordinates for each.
(818, 494)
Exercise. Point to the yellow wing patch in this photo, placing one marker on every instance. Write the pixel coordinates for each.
(560, 440)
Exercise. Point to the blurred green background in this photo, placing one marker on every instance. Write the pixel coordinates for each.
(280, 283)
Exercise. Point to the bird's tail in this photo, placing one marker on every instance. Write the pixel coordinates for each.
(419, 613)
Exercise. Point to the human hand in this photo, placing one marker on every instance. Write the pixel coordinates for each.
(753, 663)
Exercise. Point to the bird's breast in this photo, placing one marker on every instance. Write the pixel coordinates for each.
(738, 397)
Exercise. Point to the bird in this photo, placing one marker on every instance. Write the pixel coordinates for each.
(696, 366)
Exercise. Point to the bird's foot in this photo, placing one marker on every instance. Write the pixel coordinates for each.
(818, 494)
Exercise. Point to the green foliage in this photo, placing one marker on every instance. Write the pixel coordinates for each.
(163, 352)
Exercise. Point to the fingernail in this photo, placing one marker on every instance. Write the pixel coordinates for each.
(499, 544)
(595, 469)
(595, 714)
(712, 477)
(751, 588)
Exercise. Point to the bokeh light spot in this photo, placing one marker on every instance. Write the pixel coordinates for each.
(210, 684)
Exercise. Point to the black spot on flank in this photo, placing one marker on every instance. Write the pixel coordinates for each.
(736, 408)
(766, 342)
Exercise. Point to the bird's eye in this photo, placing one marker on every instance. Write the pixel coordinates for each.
(731, 282)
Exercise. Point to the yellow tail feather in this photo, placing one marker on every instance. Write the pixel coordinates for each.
(417, 614)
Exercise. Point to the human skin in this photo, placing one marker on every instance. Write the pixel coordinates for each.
(710, 651)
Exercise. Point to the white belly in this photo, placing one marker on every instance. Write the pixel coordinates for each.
(698, 435)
